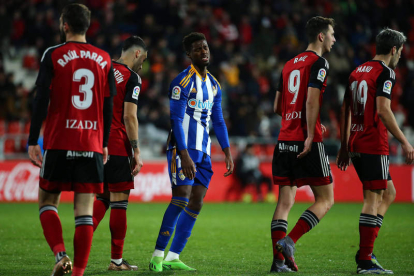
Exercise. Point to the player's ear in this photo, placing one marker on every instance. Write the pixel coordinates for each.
(66, 27)
(137, 53)
(321, 36)
(393, 50)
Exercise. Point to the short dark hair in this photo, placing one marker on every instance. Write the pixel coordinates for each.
(190, 39)
(317, 25)
(78, 17)
(387, 39)
(134, 41)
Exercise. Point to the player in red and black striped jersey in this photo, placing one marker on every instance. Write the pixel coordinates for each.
(366, 118)
(299, 157)
(124, 161)
(75, 87)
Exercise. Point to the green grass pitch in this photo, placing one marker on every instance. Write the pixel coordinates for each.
(228, 239)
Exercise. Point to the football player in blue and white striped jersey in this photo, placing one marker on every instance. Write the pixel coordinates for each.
(195, 103)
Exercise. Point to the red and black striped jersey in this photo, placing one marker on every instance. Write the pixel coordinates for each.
(367, 82)
(79, 77)
(128, 86)
(305, 70)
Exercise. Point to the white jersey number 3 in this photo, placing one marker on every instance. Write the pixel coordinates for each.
(86, 88)
(294, 83)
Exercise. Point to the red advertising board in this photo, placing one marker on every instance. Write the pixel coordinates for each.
(19, 182)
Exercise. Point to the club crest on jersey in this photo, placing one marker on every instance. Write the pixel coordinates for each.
(176, 92)
(135, 93)
(321, 74)
(387, 87)
(194, 103)
(181, 175)
(214, 90)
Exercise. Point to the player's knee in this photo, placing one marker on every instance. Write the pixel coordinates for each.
(195, 205)
(285, 203)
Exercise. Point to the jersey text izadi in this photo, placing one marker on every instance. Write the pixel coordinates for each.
(81, 124)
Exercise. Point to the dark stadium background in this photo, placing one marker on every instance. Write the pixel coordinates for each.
(250, 40)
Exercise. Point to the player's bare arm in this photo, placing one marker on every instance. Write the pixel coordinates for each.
(229, 162)
(342, 159)
(387, 117)
(312, 112)
(131, 126)
(277, 105)
(187, 164)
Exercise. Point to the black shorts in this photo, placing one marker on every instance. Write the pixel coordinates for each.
(372, 170)
(117, 173)
(67, 170)
(313, 169)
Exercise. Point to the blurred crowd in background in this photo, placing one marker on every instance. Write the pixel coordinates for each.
(249, 40)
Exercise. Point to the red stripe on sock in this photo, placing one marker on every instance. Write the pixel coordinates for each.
(367, 237)
(118, 225)
(99, 210)
(299, 230)
(276, 236)
(52, 230)
(82, 244)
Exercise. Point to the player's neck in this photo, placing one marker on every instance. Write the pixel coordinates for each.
(75, 38)
(201, 70)
(384, 58)
(124, 61)
(315, 48)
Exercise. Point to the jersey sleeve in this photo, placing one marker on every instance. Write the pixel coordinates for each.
(178, 96)
(41, 101)
(319, 73)
(219, 124)
(385, 83)
(280, 86)
(132, 89)
(111, 87)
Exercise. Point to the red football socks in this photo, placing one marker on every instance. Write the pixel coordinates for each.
(52, 228)
(100, 206)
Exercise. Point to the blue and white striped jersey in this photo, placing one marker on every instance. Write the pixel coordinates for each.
(194, 102)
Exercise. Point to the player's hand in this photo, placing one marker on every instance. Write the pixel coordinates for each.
(323, 128)
(229, 165)
(408, 153)
(307, 148)
(136, 163)
(187, 165)
(35, 155)
(105, 155)
(342, 159)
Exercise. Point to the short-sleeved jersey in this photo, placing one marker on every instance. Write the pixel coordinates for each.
(195, 101)
(79, 76)
(128, 86)
(367, 82)
(305, 70)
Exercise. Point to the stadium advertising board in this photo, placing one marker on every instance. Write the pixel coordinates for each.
(19, 182)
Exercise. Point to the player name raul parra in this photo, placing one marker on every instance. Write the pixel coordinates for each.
(284, 147)
(80, 124)
(72, 54)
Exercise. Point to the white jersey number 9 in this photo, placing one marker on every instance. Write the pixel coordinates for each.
(86, 89)
(294, 83)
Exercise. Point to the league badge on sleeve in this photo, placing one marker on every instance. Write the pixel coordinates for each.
(214, 88)
(181, 175)
(135, 93)
(176, 92)
(321, 74)
(387, 87)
